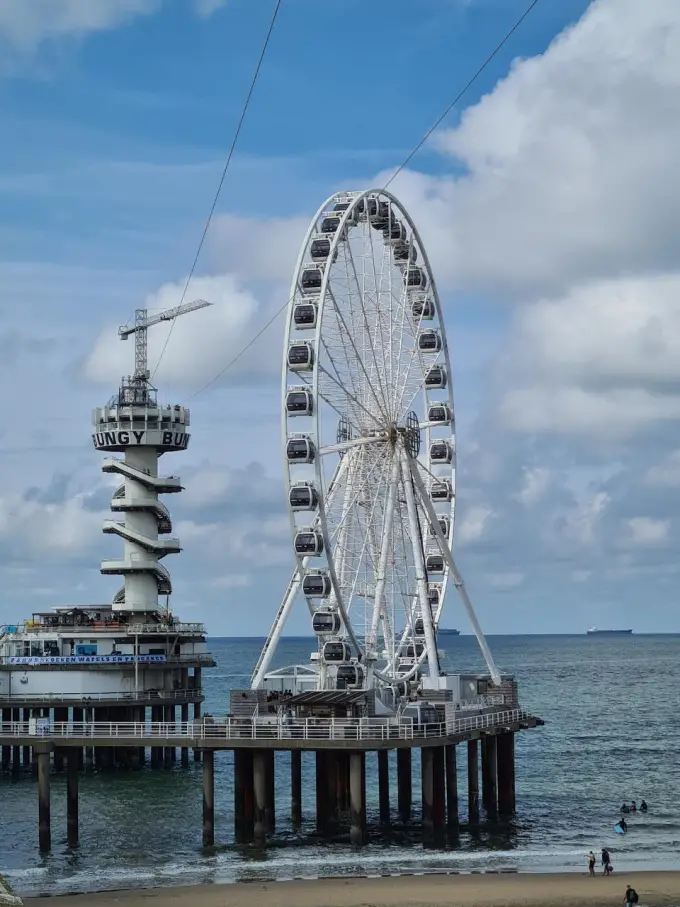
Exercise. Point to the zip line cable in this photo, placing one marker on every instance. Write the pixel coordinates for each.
(399, 169)
(237, 133)
(462, 92)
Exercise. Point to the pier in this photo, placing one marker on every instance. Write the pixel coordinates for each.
(340, 750)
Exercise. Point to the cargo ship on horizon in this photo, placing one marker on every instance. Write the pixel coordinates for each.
(593, 631)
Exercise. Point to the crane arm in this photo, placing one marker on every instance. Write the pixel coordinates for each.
(168, 315)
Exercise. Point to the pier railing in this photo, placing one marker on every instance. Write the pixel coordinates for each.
(182, 629)
(7, 700)
(216, 729)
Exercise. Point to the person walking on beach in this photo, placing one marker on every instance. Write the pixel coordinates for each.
(591, 863)
(606, 862)
(631, 896)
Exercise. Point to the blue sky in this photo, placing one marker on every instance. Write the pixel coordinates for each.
(547, 201)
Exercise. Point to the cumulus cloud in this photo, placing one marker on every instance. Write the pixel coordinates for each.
(24, 25)
(642, 530)
(263, 249)
(201, 343)
(568, 163)
(604, 359)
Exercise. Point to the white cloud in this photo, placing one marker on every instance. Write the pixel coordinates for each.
(472, 526)
(569, 161)
(24, 24)
(258, 249)
(201, 343)
(509, 580)
(645, 531)
(206, 8)
(604, 359)
(665, 474)
(535, 485)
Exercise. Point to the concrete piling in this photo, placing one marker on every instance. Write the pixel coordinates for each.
(42, 752)
(505, 744)
(404, 784)
(72, 766)
(357, 797)
(184, 717)
(384, 786)
(270, 802)
(296, 788)
(489, 775)
(259, 795)
(473, 780)
(208, 798)
(451, 787)
(243, 796)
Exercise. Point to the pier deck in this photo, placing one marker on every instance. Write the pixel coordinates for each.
(235, 733)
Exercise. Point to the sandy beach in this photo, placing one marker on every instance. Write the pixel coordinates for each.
(656, 889)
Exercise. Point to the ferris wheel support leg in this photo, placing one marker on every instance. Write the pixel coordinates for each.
(277, 629)
(384, 552)
(457, 578)
(430, 640)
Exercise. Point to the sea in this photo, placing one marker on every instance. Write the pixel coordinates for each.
(611, 734)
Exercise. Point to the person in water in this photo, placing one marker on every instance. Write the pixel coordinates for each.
(591, 863)
(622, 824)
(625, 808)
(643, 806)
(606, 861)
(633, 807)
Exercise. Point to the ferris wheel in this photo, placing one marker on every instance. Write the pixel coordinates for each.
(369, 447)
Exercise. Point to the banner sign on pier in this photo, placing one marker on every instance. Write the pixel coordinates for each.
(84, 659)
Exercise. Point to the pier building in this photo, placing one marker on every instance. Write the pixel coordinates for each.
(132, 659)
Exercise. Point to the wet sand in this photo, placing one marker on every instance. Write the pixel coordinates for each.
(656, 889)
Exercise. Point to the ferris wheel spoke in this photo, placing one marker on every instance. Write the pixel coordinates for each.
(339, 357)
(364, 565)
(366, 327)
(385, 550)
(346, 396)
(430, 640)
(458, 581)
(355, 442)
(360, 360)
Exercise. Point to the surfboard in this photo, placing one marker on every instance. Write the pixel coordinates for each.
(619, 830)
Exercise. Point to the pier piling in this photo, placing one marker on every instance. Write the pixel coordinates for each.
(357, 797)
(270, 802)
(243, 796)
(259, 795)
(184, 715)
(72, 766)
(451, 787)
(208, 798)
(506, 773)
(296, 788)
(42, 753)
(489, 775)
(384, 786)
(473, 780)
(404, 784)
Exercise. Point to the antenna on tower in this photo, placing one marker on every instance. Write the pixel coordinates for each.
(137, 388)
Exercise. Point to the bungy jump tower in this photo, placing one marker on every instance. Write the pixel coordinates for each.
(112, 662)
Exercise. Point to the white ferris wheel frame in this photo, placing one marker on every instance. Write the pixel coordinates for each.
(405, 469)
